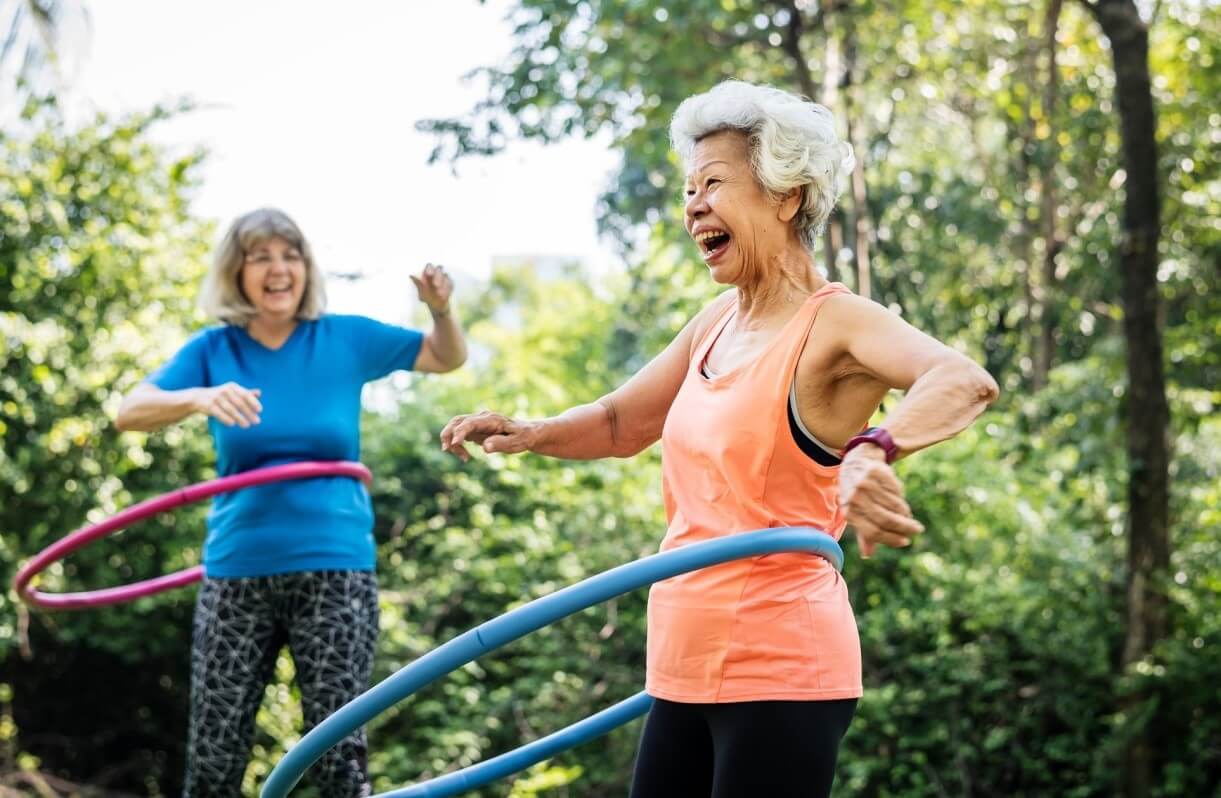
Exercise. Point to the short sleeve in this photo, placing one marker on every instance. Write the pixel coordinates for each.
(188, 367)
(385, 347)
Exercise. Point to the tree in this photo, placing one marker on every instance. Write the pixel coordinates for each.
(38, 42)
(1148, 415)
(99, 260)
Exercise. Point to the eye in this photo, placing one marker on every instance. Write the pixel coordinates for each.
(710, 182)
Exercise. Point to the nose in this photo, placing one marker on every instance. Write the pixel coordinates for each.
(695, 207)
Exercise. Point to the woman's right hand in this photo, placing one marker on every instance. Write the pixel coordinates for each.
(492, 431)
(230, 404)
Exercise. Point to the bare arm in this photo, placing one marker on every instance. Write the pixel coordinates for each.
(620, 424)
(444, 348)
(945, 393)
(148, 408)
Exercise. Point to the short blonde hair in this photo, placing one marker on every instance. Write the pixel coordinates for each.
(222, 297)
(793, 144)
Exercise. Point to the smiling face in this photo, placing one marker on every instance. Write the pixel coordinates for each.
(273, 278)
(734, 222)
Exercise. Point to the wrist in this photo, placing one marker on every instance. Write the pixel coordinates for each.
(865, 452)
(874, 443)
(537, 435)
(195, 400)
(439, 313)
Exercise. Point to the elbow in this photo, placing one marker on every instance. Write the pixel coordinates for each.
(453, 364)
(985, 386)
(978, 383)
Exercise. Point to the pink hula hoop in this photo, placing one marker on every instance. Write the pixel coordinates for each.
(146, 509)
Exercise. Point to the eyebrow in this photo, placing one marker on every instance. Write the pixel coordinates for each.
(706, 166)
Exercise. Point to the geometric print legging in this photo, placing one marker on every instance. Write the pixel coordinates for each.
(329, 621)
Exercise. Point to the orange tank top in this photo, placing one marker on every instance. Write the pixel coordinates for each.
(773, 627)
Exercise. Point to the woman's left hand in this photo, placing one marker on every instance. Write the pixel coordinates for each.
(434, 287)
(871, 497)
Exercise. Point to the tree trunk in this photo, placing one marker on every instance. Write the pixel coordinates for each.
(1147, 411)
(1049, 318)
(844, 230)
(861, 222)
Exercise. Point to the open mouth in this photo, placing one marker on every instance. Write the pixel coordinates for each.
(713, 243)
(283, 289)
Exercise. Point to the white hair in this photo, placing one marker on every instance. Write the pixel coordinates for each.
(222, 296)
(792, 143)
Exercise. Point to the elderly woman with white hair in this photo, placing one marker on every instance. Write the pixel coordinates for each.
(761, 404)
(287, 563)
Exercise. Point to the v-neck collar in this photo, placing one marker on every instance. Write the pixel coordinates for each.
(265, 348)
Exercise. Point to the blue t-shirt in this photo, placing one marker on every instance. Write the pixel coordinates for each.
(311, 411)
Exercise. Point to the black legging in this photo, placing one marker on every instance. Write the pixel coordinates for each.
(329, 621)
(777, 749)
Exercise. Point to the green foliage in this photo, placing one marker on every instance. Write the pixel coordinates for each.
(99, 259)
(992, 648)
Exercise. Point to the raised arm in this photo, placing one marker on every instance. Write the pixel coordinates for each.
(444, 347)
(620, 424)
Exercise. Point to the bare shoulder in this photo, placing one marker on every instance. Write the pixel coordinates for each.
(839, 315)
(849, 307)
(708, 316)
(701, 322)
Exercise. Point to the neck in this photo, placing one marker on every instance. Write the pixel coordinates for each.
(783, 281)
(271, 332)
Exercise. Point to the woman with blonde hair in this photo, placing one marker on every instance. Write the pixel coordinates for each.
(761, 404)
(293, 562)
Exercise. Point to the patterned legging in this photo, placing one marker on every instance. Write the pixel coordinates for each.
(329, 621)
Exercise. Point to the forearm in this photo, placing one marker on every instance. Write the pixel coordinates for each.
(587, 432)
(148, 409)
(446, 340)
(942, 402)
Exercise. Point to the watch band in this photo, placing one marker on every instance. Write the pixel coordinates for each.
(878, 437)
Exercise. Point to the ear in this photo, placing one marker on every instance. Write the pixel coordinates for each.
(790, 203)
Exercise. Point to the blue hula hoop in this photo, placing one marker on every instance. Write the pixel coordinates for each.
(515, 624)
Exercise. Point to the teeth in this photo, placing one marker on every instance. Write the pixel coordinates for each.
(707, 234)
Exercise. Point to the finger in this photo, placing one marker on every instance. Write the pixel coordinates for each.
(504, 444)
(884, 497)
(889, 539)
(232, 411)
(249, 404)
(892, 522)
(235, 403)
(220, 414)
(459, 451)
(865, 544)
(252, 397)
(477, 428)
(447, 430)
(467, 427)
(447, 433)
(419, 286)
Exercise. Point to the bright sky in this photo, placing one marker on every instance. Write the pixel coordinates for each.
(311, 107)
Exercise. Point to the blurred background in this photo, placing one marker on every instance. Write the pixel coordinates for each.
(1037, 186)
